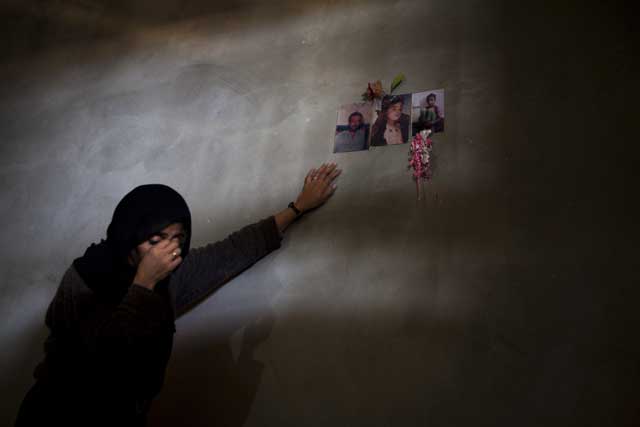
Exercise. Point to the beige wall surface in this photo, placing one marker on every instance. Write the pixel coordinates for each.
(505, 297)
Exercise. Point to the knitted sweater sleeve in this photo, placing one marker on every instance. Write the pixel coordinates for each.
(76, 309)
(125, 342)
(141, 313)
(207, 268)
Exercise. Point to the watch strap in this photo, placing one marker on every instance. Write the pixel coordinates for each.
(295, 209)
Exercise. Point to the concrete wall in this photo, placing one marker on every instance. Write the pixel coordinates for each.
(507, 297)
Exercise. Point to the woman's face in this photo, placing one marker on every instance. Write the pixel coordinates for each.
(394, 112)
(173, 232)
(431, 101)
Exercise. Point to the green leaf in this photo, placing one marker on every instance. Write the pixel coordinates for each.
(396, 82)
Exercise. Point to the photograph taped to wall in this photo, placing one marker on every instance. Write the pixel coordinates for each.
(352, 127)
(427, 111)
(392, 123)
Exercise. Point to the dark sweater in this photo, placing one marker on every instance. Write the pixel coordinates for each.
(105, 360)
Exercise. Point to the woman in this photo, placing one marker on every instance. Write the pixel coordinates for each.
(392, 125)
(112, 319)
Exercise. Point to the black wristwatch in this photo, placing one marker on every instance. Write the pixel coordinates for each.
(296, 210)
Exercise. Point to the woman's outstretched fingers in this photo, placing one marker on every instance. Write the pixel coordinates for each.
(331, 171)
(328, 192)
(325, 170)
(318, 186)
(335, 173)
(317, 173)
(310, 176)
(328, 177)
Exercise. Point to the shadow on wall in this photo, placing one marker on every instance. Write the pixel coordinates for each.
(209, 383)
(225, 386)
(33, 25)
(209, 386)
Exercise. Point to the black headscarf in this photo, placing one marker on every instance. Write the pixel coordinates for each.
(143, 212)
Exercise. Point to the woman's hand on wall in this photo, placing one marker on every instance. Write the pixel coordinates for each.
(318, 187)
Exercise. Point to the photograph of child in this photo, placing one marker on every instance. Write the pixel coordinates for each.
(393, 121)
(428, 111)
(352, 128)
